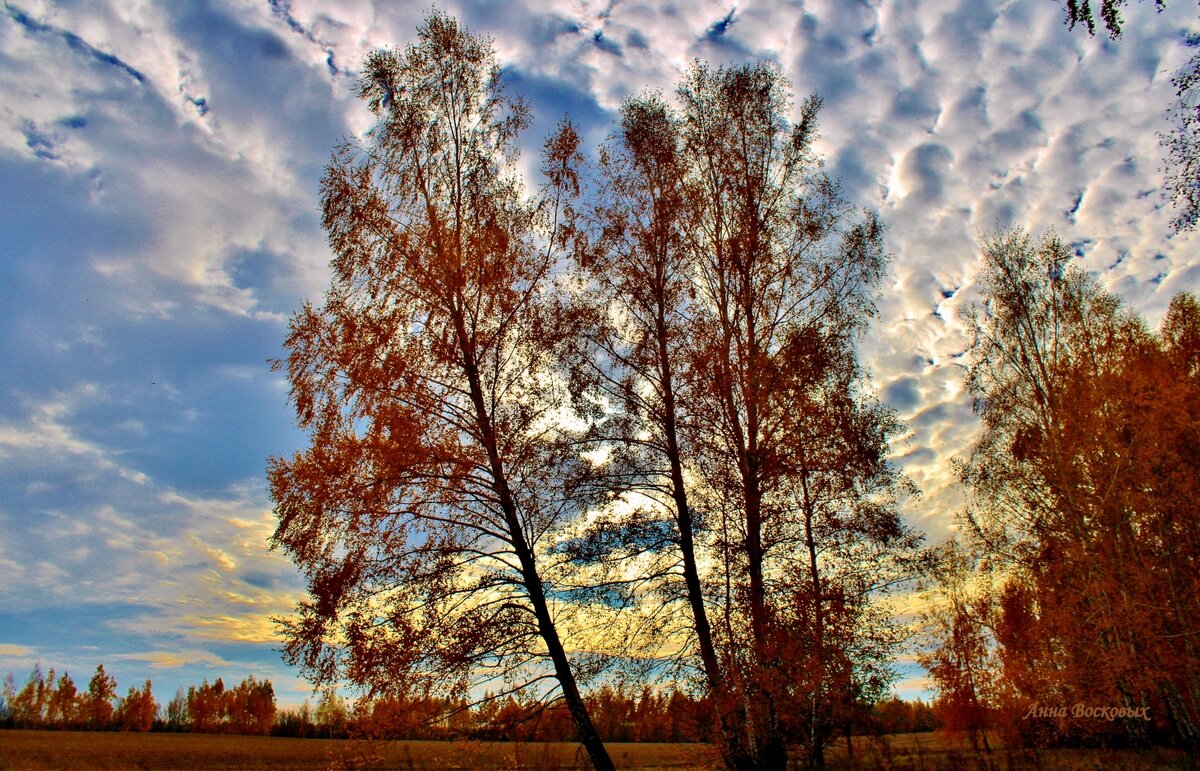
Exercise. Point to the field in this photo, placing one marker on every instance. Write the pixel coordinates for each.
(80, 750)
(944, 752)
(83, 750)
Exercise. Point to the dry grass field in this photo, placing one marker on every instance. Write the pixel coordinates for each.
(85, 751)
(947, 752)
(82, 750)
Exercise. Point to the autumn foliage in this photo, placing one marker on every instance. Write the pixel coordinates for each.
(746, 498)
(619, 426)
(46, 702)
(619, 429)
(247, 708)
(1077, 585)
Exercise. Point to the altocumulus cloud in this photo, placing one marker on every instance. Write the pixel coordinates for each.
(161, 165)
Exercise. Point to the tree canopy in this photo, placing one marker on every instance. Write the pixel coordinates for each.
(1080, 493)
(1084, 12)
(424, 507)
(725, 283)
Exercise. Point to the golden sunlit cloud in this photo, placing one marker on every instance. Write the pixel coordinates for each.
(173, 659)
(217, 555)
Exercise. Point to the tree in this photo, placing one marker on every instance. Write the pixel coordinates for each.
(1084, 12)
(63, 707)
(332, 716)
(961, 655)
(423, 509)
(206, 707)
(1080, 487)
(837, 636)
(298, 723)
(28, 706)
(632, 356)
(251, 706)
(7, 694)
(177, 711)
(794, 456)
(137, 710)
(724, 285)
(96, 706)
(1183, 146)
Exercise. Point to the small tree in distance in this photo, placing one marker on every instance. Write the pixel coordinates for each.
(97, 703)
(177, 711)
(137, 710)
(63, 708)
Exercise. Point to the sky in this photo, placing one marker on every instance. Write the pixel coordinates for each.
(159, 178)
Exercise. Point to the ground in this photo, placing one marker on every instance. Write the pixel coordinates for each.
(85, 751)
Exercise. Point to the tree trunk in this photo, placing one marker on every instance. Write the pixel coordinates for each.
(588, 735)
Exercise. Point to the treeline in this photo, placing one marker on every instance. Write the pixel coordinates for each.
(47, 701)
(628, 413)
(1067, 613)
(619, 714)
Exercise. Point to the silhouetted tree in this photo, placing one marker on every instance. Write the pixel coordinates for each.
(961, 656)
(1084, 12)
(792, 452)
(631, 379)
(724, 286)
(423, 508)
(836, 638)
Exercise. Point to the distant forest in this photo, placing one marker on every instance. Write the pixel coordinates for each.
(50, 701)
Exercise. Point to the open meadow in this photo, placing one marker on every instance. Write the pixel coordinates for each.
(111, 750)
(21, 750)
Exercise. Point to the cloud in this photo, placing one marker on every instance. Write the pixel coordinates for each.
(903, 394)
(73, 42)
(922, 172)
(174, 659)
(200, 561)
(186, 148)
(164, 161)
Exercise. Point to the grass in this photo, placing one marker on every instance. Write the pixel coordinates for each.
(81, 750)
(942, 751)
(21, 750)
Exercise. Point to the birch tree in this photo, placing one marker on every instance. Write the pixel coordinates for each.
(423, 511)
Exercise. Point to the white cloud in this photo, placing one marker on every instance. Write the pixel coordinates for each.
(189, 140)
(200, 562)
